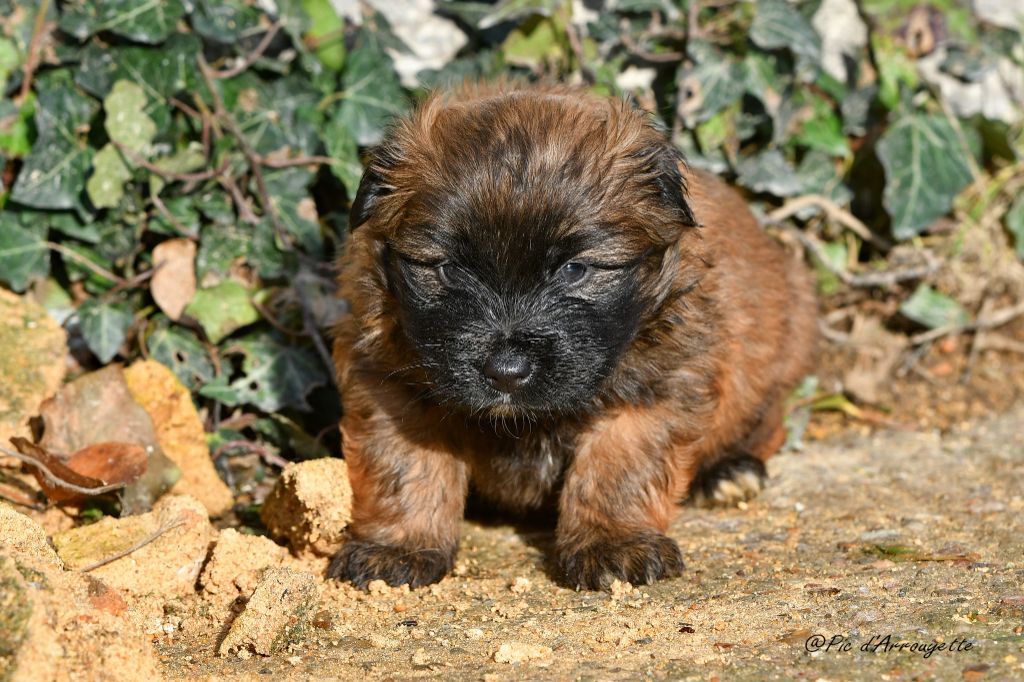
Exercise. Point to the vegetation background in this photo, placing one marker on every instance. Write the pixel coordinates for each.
(176, 174)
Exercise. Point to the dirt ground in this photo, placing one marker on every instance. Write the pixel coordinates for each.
(899, 537)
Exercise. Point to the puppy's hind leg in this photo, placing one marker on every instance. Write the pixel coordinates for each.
(727, 481)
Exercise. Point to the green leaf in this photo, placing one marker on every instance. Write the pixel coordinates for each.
(186, 160)
(1015, 224)
(126, 122)
(769, 172)
(162, 72)
(276, 115)
(925, 168)
(714, 84)
(10, 60)
(344, 151)
(933, 309)
(823, 130)
(104, 327)
(224, 21)
(15, 127)
(372, 94)
(297, 210)
(106, 185)
(508, 10)
(536, 42)
(276, 375)
(326, 25)
(144, 21)
(53, 176)
(778, 25)
(24, 255)
(183, 353)
(222, 309)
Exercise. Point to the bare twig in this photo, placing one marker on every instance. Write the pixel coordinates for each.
(250, 154)
(82, 260)
(170, 175)
(996, 319)
(309, 324)
(56, 480)
(884, 278)
(245, 213)
(250, 58)
(19, 497)
(34, 49)
(265, 454)
(162, 209)
(271, 162)
(572, 32)
(832, 210)
(274, 322)
(134, 548)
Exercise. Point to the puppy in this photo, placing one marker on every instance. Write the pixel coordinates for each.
(548, 307)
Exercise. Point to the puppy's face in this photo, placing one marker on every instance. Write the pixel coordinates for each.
(522, 239)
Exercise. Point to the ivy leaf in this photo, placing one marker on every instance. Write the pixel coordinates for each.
(324, 23)
(714, 84)
(925, 168)
(344, 151)
(144, 21)
(769, 172)
(54, 173)
(183, 353)
(276, 375)
(1015, 223)
(109, 173)
(372, 94)
(778, 25)
(224, 21)
(126, 122)
(104, 327)
(23, 252)
(295, 207)
(536, 42)
(509, 10)
(222, 309)
(934, 309)
(162, 72)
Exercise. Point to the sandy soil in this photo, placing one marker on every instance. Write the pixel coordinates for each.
(910, 536)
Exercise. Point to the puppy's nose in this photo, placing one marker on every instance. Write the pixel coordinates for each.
(506, 370)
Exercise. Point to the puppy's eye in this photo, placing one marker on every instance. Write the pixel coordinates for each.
(572, 272)
(448, 274)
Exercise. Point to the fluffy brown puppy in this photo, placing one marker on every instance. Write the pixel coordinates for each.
(549, 307)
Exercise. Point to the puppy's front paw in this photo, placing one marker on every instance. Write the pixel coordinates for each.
(641, 559)
(728, 481)
(362, 562)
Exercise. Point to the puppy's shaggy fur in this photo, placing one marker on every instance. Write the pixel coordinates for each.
(548, 307)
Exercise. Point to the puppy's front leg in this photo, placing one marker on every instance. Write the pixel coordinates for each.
(617, 500)
(407, 502)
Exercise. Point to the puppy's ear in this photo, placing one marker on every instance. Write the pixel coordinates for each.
(371, 188)
(671, 185)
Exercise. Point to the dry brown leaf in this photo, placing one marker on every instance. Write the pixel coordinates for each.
(174, 281)
(877, 353)
(110, 462)
(59, 482)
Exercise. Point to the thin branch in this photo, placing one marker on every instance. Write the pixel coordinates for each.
(82, 260)
(34, 49)
(245, 213)
(271, 162)
(832, 210)
(885, 278)
(134, 548)
(251, 58)
(309, 323)
(250, 154)
(996, 319)
(56, 480)
(264, 454)
(572, 32)
(170, 175)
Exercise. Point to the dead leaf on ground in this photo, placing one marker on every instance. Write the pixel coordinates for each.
(174, 281)
(878, 350)
(98, 408)
(32, 363)
(59, 482)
